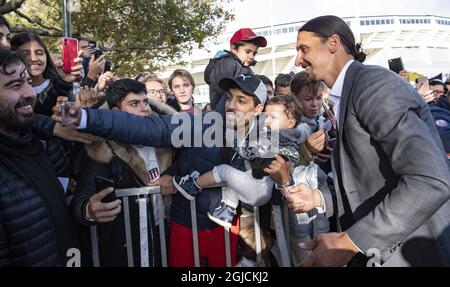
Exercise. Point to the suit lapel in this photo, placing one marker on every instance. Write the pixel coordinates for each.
(343, 105)
(343, 208)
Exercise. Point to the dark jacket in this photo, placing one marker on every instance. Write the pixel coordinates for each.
(35, 225)
(224, 65)
(441, 115)
(47, 98)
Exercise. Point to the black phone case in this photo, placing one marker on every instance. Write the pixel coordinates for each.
(101, 183)
(396, 65)
(97, 53)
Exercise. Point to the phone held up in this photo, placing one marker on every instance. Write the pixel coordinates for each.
(422, 84)
(69, 48)
(108, 66)
(102, 183)
(396, 65)
(97, 53)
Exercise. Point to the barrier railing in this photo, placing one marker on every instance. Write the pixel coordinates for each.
(142, 193)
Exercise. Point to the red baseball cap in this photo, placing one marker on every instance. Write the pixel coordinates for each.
(246, 34)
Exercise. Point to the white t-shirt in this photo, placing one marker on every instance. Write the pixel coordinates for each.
(148, 154)
(39, 89)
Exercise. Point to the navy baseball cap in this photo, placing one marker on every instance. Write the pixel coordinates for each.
(249, 83)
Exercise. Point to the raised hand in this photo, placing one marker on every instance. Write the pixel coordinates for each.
(88, 97)
(72, 112)
(317, 141)
(75, 73)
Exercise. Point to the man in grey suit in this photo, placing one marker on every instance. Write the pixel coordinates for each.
(391, 174)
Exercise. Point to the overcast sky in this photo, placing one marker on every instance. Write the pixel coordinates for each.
(257, 13)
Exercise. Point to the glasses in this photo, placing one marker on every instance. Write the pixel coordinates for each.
(161, 92)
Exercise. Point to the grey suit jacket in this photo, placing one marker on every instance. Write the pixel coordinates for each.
(391, 174)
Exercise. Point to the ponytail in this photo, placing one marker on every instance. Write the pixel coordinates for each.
(358, 53)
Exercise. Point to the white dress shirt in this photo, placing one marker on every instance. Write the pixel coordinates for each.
(336, 91)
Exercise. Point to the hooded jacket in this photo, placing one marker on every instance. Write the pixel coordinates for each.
(225, 64)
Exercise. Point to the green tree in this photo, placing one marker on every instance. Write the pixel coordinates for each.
(137, 34)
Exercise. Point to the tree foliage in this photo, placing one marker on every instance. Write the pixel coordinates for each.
(139, 34)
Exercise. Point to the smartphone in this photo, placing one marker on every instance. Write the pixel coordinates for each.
(108, 65)
(101, 183)
(396, 65)
(64, 118)
(97, 53)
(69, 53)
(422, 82)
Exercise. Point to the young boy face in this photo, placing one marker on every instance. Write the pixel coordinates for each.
(311, 103)
(182, 90)
(246, 53)
(136, 104)
(278, 118)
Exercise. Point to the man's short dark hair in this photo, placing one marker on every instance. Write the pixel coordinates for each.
(283, 80)
(243, 43)
(7, 58)
(3, 21)
(291, 105)
(303, 81)
(437, 82)
(326, 26)
(119, 89)
(265, 80)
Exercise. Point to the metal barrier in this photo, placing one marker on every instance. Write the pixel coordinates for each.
(141, 194)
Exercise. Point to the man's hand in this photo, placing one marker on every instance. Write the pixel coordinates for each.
(166, 184)
(88, 52)
(317, 141)
(75, 73)
(428, 96)
(71, 134)
(279, 169)
(329, 250)
(100, 211)
(405, 75)
(302, 198)
(72, 111)
(88, 97)
(103, 80)
(325, 155)
(96, 67)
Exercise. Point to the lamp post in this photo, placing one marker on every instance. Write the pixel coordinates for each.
(67, 19)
